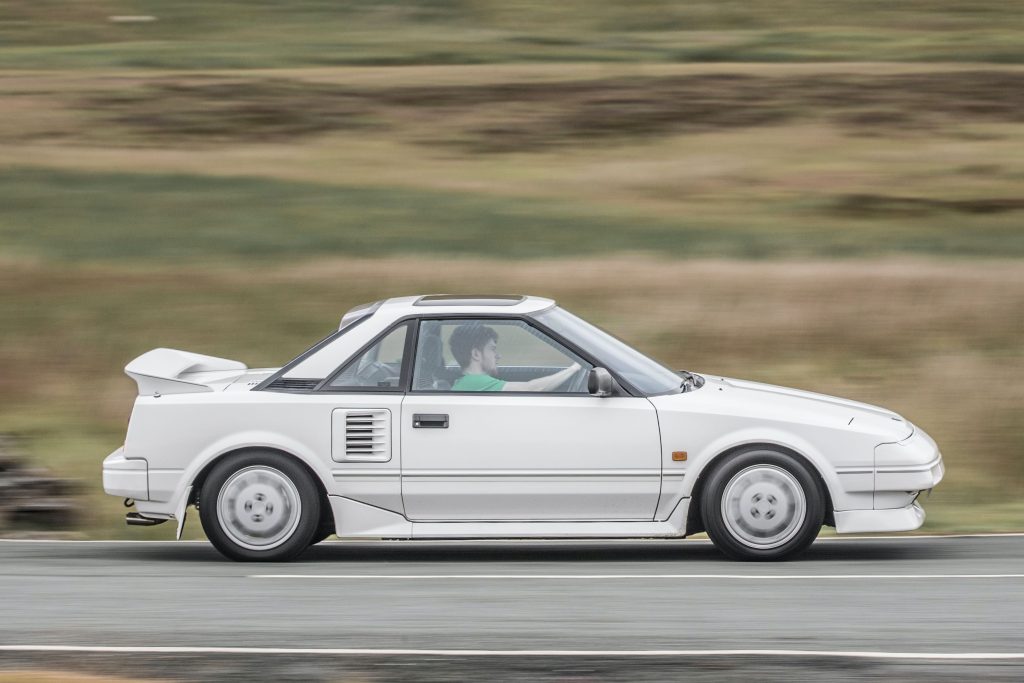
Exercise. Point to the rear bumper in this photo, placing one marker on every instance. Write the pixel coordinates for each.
(862, 521)
(126, 477)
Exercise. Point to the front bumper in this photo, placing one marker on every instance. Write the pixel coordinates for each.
(904, 469)
(126, 477)
(863, 521)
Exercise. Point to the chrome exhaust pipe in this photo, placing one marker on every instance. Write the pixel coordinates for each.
(135, 519)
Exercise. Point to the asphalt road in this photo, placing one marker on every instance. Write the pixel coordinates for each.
(892, 606)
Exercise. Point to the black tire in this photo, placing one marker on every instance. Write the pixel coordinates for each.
(320, 536)
(269, 499)
(762, 504)
(326, 526)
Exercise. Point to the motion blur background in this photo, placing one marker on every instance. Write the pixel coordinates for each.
(812, 193)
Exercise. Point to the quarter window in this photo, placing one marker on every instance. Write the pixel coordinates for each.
(379, 367)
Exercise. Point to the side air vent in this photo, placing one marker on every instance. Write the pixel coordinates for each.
(293, 384)
(361, 435)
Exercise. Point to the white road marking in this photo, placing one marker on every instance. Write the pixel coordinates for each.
(859, 654)
(734, 577)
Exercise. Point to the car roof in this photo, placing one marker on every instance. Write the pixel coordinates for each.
(461, 304)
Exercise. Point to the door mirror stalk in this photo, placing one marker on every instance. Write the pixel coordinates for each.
(599, 382)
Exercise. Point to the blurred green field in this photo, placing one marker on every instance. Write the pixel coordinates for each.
(72, 216)
(821, 195)
(235, 34)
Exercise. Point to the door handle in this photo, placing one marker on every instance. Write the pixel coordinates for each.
(429, 421)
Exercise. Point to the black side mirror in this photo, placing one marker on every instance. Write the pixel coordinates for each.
(599, 382)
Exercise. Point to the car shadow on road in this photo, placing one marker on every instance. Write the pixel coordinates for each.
(610, 551)
(361, 552)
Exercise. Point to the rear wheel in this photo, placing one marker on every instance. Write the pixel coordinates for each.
(259, 506)
(762, 504)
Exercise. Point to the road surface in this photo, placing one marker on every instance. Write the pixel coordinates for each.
(907, 607)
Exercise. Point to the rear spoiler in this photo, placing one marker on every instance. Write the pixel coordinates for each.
(169, 371)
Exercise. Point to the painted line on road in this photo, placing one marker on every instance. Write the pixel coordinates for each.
(731, 577)
(857, 654)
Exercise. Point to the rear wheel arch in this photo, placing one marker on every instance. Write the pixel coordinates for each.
(694, 521)
(327, 519)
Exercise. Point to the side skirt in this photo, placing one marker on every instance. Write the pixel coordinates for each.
(353, 519)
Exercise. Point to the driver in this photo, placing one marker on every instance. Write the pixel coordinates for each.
(475, 347)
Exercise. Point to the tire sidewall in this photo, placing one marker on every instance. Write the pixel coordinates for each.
(711, 504)
(309, 516)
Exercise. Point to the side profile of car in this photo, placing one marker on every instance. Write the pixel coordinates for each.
(501, 416)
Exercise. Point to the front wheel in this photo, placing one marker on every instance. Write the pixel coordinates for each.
(259, 506)
(762, 504)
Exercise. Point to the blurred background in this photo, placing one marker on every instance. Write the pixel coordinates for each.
(820, 194)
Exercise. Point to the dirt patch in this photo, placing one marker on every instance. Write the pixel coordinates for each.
(61, 676)
(876, 205)
(862, 104)
(524, 116)
(231, 111)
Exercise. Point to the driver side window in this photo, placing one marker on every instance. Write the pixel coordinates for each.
(379, 367)
(489, 355)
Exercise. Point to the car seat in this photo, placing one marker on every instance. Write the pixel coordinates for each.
(430, 368)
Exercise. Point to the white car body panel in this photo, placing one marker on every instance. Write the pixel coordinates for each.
(510, 464)
(531, 458)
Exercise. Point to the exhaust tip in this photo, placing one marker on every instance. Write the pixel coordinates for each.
(135, 519)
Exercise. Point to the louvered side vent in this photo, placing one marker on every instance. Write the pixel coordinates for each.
(366, 435)
(293, 384)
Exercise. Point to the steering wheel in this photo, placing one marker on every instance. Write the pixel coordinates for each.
(373, 373)
(577, 383)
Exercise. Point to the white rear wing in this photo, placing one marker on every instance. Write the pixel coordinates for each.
(169, 371)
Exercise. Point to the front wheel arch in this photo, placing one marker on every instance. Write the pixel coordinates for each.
(694, 520)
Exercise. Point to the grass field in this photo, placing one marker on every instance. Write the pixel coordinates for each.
(821, 195)
(745, 162)
(259, 34)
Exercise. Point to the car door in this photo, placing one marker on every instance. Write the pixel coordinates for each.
(507, 450)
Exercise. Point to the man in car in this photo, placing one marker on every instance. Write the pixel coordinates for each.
(475, 347)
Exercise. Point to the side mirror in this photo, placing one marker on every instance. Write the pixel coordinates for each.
(599, 382)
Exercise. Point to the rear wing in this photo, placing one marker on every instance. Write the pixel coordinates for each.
(169, 371)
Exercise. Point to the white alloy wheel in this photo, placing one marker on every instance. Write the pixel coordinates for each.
(763, 506)
(259, 507)
(759, 503)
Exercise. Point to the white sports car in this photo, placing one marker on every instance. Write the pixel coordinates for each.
(442, 416)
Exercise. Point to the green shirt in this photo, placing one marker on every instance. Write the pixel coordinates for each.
(480, 382)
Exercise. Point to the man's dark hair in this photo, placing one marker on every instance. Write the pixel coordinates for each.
(467, 337)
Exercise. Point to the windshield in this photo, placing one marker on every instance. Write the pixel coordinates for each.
(648, 376)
